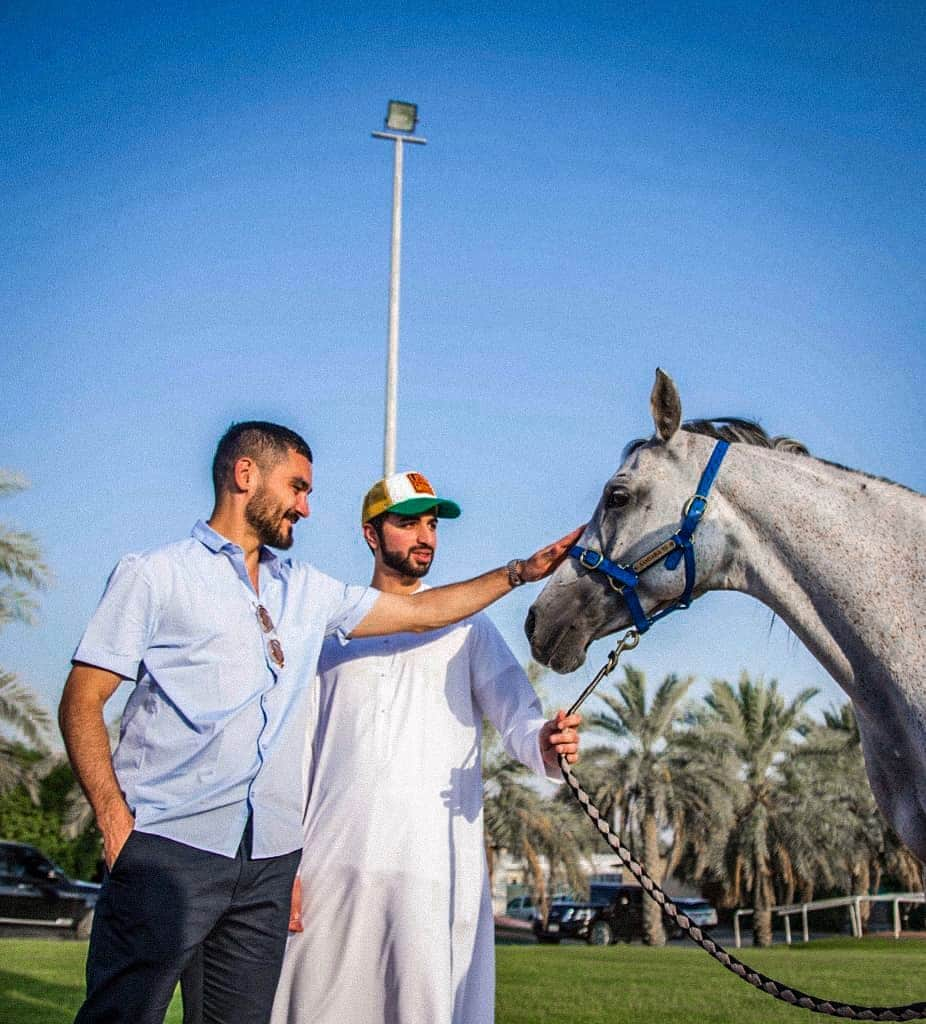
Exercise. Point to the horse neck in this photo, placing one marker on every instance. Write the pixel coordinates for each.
(839, 556)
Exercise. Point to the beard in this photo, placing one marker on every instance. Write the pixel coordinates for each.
(403, 563)
(269, 519)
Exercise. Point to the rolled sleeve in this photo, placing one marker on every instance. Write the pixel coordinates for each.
(350, 609)
(121, 628)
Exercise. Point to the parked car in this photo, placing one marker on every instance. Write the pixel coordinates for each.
(521, 907)
(36, 894)
(698, 911)
(525, 909)
(565, 920)
(619, 918)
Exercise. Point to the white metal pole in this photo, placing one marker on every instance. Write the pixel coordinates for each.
(392, 353)
(392, 356)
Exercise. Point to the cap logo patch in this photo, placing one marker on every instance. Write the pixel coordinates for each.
(419, 483)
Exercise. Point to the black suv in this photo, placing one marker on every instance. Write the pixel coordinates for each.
(616, 918)
(617, 913)
(36, 894)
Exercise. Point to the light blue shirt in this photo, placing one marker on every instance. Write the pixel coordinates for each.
(213, 730)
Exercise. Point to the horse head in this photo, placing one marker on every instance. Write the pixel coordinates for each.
(640, 507)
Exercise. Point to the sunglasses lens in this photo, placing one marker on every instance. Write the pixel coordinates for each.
(273, 645)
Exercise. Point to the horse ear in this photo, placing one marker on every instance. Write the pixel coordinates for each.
(665, 406)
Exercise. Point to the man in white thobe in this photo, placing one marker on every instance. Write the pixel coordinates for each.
(394, 903)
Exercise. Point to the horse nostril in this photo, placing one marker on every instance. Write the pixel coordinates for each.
(529, 624)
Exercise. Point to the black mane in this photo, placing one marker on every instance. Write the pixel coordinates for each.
(734, 430)
(739, 431)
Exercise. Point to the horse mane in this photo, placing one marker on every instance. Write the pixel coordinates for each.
(740, 431)
(734, 430)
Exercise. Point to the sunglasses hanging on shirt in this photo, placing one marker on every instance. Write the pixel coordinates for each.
(274, 647)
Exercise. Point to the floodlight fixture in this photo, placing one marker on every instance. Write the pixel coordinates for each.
(401, 116)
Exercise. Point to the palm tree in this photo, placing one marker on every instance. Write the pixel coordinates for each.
(647, 785)
(530, 827)
(20, 709)
(22, 566)
(512, 815)
(859, 842)
(752, 732)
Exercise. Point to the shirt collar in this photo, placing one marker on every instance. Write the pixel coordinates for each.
(215, 542)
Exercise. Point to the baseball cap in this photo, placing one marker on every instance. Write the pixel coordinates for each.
(408, 494)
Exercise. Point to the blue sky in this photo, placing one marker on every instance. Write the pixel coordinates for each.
(196, 230)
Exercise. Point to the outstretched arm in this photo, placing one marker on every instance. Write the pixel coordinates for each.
(80, 716)
(433, 609)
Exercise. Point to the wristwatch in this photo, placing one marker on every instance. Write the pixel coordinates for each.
(514, 568)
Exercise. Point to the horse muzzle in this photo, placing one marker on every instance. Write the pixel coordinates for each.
(558, 642)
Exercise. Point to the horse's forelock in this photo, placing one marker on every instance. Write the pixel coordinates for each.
(632, 446)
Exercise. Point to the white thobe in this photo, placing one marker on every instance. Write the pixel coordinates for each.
(396, 907)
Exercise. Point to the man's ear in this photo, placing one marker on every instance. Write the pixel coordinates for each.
(371, 536)
(246, 474)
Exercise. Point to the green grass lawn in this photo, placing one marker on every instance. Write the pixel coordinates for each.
(680, 983)
(41, 982)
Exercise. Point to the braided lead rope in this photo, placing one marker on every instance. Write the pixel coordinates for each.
(793, 996)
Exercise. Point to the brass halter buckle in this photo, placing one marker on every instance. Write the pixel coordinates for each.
(691, 501)
(583, 559)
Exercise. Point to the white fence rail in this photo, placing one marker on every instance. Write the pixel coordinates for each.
(852, 902)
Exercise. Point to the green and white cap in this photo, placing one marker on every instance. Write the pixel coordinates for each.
(407, 494)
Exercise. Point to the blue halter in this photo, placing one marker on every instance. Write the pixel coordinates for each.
(623, 579)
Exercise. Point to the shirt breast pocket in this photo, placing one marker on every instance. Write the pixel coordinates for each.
(208, 633)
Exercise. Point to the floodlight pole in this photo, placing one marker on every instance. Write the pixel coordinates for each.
(392, 356)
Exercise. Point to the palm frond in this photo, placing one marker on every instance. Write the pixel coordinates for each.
(20, 708)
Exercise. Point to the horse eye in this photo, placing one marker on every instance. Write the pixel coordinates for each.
(618, 499)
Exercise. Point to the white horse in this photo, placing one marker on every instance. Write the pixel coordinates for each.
(839, 555)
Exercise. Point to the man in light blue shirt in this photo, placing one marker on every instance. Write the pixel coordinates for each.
(230, 721)
(200, 819)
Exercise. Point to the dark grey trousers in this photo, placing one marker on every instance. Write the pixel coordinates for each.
(163, 905)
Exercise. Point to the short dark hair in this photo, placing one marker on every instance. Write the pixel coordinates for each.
(377, 523)
(264, 442)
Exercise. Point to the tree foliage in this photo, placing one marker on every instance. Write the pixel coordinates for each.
(648, 787)
(533, 829)
(740, 793)
(20, 562)
(36, 815)
(22, 572)
(753, 732)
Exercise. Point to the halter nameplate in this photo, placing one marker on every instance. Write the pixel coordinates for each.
(654, 556)
(623, 579)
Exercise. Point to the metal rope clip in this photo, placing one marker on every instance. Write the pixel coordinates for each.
(626, 643)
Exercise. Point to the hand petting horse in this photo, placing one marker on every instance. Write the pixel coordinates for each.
(839, 555)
